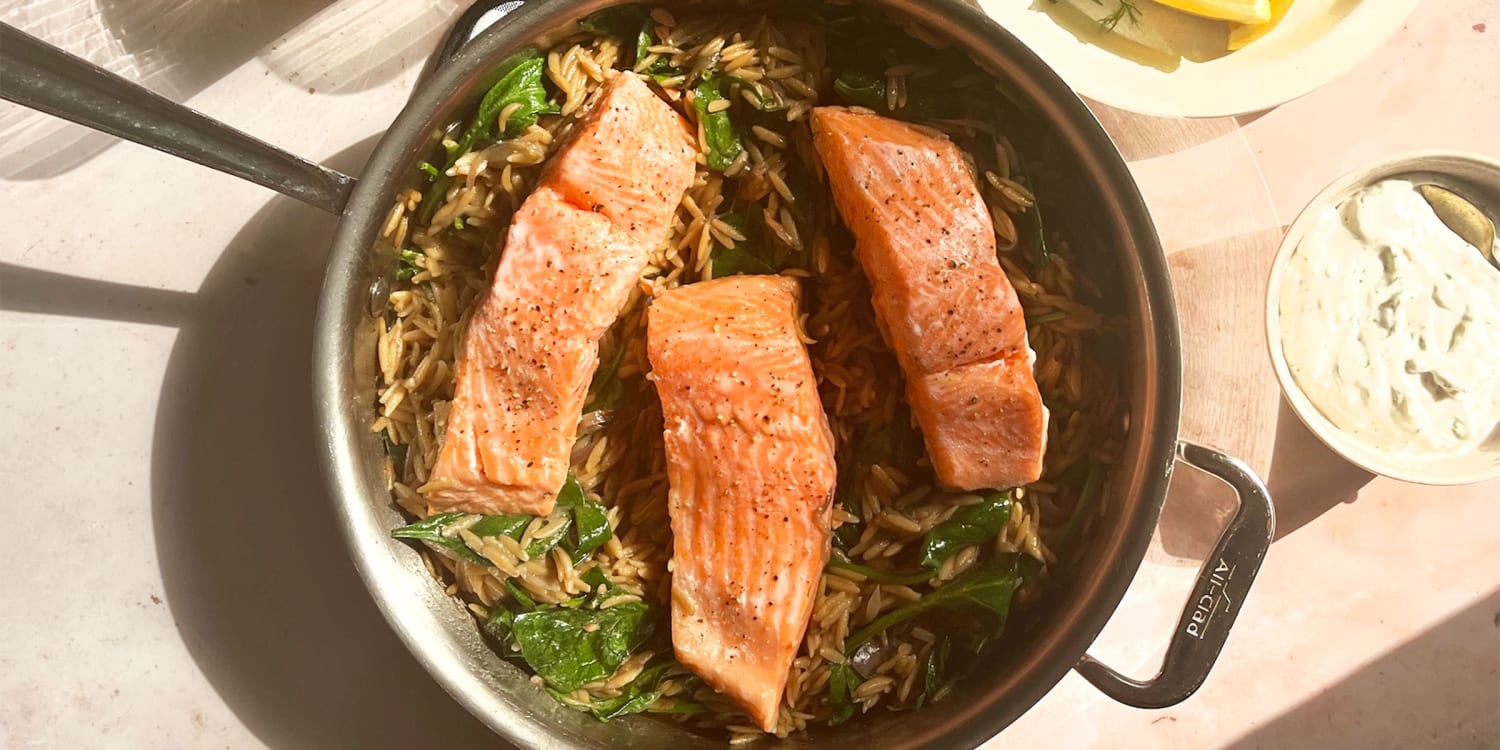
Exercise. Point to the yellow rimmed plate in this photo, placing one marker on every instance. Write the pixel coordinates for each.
(1317, 41)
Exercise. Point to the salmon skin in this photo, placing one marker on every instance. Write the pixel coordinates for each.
(575, 248)
(924, 237)
(751, 469)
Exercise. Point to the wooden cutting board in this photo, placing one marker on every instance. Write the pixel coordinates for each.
(1220, 231)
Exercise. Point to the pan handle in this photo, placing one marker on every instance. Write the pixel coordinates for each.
(37, 75)
(1222, 584)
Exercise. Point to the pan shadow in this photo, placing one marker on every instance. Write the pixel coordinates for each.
(256, 572)
(178, 48)
(1438, 690)
(1307, 478)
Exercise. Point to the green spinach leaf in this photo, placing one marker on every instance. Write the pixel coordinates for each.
(585, 519)
(932, 668)
(876, 574)
(500, 626)
(507, 525)
(1033, 229)
(867, 90)
(842, 680)
(591, 530)
(572, 647)
(407, 265)
(429, 531)
(605, 389)
(619, 21)
(734, 261)
(987, 587)
(637, 695)
(661, 69)
(860, 88)
(970, 525)
(519, 594)
(588, 523)
(724, 142)
(521, 85)
(1087, 497)
(396, 451)
(519, 80)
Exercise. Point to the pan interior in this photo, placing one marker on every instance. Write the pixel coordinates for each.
(1109, 228)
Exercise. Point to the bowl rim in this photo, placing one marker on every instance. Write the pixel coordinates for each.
(1428, 161)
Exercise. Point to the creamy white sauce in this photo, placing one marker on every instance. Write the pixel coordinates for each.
(1390, 324)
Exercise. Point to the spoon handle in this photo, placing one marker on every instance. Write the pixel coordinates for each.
(37, 75)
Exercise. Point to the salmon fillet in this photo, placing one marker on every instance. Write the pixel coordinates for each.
(924, 237)
(750, 463)
(574, 250)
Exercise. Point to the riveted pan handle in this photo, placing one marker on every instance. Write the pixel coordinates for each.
(37, 75)
(1217, 595)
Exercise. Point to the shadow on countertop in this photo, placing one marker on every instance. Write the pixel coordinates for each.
(257, 575)
(1307, 479)
(178, 48)
(1438, 690)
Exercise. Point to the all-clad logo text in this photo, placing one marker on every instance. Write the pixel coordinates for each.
(1213, 600)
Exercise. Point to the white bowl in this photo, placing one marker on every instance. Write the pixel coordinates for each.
(1480, 172)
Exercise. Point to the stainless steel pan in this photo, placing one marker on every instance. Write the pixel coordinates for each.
(1107, 221)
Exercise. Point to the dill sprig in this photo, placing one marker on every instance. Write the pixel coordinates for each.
(1126, 10)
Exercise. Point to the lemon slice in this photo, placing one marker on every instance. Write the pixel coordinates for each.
(1244, 34)
(1239, 11)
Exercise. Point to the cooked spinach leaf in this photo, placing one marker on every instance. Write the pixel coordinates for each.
(1033, 229)
(734, 261)
(542, 545)
(519, 594)
(987, 586)
(847, 534)
(893, 442)
(519, 81)
(932, 669)
(868, 90)
(407, 265)
(842, 680)
(724, 142)
(585, 519)
(970, 525)
(605, 389)
(590, 529)
(396, 451)
(662, 68)
(876, 574)
(429, 531)
(520, 85)
(620, 21)
(500, 625)
(596, 577)
(636, 696)
(507, 525)
(572, 647)
(860, 88)
(1092, 484)
(587, 527)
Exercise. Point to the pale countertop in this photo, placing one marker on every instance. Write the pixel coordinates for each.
(174, 577)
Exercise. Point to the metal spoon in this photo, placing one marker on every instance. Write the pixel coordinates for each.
(1463, 217)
